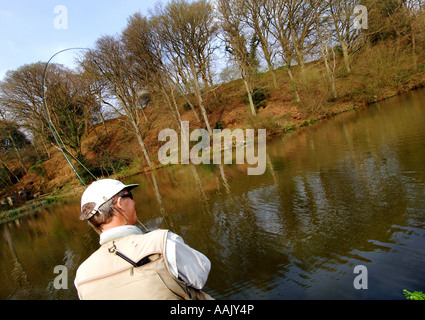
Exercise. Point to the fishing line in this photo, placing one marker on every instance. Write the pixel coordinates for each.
(43, 88)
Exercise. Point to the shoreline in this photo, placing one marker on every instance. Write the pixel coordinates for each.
(297, 125)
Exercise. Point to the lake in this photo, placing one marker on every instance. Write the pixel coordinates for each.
(345, 192)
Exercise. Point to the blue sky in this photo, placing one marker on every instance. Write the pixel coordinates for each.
(28, 32)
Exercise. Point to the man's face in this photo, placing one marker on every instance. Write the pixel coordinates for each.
(129, 207)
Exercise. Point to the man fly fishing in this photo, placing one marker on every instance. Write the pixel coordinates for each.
(131, 264)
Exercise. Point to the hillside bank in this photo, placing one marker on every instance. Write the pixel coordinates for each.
(112, 151)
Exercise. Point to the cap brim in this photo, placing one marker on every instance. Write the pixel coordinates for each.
(131, 187)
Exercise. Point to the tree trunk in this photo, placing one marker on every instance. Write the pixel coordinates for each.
(103, 123)
(267, 56)
(294, 85)
(325, 55)
(176, 107)
(251, 102)
(300, 56)
(174, 111)
(45, 147)
(200, 100)
(193, 108)
(7, 167)
(273, 73)
(205, 116)
(142, 144)
(183, 91)
(346, 56)
(144, 114)
(330, 76)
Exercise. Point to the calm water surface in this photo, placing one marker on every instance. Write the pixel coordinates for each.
(345, 192)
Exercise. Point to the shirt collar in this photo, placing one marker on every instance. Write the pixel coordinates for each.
(118, 232)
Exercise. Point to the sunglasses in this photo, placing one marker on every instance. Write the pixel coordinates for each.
(127, 195)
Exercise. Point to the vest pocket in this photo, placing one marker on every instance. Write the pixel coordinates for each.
(162, 275)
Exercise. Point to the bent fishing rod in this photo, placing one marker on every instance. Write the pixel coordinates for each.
(43, 98)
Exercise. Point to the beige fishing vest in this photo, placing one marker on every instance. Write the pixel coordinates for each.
(106, 276)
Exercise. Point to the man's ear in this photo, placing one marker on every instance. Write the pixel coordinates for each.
(118, 204)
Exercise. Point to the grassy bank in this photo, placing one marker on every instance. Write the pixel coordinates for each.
(28, 208)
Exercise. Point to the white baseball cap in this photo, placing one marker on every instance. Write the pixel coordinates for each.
(101, 191)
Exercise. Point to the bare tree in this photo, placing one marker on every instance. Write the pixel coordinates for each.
(278, 13)
(301, 14)
(69, 103)
(253, 17)
(415, 11)
(186, 31)
(110, 60)
(98, 87)
(324, 36)
(21, 96)
(68, 99)
(231, 22)
(342, 13)
(142, 43)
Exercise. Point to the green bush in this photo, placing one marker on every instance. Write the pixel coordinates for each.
(186, 106)
(416, 295)
(220, 125)
(421, 67)
(259, 95)
(38, 169)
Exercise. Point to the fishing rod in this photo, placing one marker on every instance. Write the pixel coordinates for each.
(43, 89)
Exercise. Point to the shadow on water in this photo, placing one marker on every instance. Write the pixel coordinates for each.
(345, 192)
